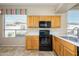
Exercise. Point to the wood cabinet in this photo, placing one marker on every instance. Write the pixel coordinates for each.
(45, 18)
(36, 21)
(33, 21)
(32, 42)
(56, 21)
(35, 42)
(63, 48)
(68, 52)
(58, 48)
(69, 46)
(30, 21)
(28, 42)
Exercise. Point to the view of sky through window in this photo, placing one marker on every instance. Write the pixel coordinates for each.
(73, 22)
(73, 16)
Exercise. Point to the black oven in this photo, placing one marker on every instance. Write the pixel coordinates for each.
(45, 39)
(45, 43)
(45, 24)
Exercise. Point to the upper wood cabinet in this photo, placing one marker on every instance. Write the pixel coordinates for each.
(45, 18)
(56, 21)
(36, 21)
(33, 21)
(30, 22)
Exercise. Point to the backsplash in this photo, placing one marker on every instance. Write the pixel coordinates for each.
(58, 32)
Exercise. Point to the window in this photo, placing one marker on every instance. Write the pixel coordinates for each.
(73, 22)
(15, 25)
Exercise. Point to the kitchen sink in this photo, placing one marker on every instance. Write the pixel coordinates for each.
(71, 38)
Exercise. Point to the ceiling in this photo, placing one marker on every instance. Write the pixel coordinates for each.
(56, 7)
(76, 7)
(50, 5)
(45, 4)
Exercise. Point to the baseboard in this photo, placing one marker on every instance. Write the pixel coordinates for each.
(12, 45)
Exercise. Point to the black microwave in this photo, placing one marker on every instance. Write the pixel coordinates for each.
(45, 24)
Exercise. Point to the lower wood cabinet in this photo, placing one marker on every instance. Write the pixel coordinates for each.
(28, 42)
(32, 42)
(68, 52)
(63, 48)
(35, 42)
(57, 48)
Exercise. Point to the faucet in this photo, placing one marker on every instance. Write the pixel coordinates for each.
(75, 31)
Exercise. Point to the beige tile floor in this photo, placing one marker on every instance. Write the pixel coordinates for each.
(20, 51)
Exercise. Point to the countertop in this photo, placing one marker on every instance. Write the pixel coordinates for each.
(36, 31)
(71, 39)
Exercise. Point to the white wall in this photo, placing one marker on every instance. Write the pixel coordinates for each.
(20, 41)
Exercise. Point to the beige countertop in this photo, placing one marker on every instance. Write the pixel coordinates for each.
(70, 41)
(35, 32)
(65, 39)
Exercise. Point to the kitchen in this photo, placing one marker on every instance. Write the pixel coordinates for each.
(43, 22)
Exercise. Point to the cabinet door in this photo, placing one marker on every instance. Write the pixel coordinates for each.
(67, 52)
(61, 50)
(57, 47)
(35, 42)
(30, 21)
(36, 21)
(56, 21)
(28, 42)
(54, 42)
(45, 18)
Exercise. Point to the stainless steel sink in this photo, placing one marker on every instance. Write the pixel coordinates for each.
(74, 39)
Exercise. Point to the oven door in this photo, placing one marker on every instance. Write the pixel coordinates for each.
(45, 41)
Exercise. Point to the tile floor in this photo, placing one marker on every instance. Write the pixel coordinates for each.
(20, 51)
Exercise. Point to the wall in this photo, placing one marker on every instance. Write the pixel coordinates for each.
(20, 41)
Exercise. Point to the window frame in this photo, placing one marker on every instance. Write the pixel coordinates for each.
(12, 29)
